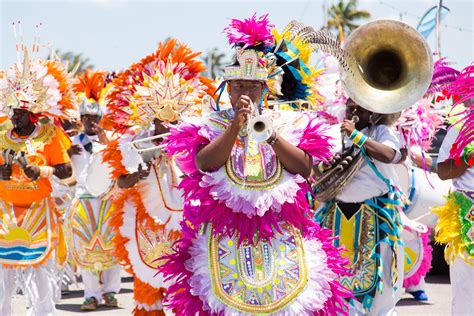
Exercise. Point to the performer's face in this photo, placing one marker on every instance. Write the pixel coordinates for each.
(21, 119)
(90, 122)
(252, 89)
(353, 109)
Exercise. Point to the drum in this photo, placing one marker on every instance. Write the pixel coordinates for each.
(99, 180)
(416, 185)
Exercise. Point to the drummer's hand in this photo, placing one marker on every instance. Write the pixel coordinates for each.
(5, 172)
(243, 110)
(348, 126)
(75, 149)
(32, 172)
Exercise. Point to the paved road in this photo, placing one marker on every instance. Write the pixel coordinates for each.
(438, 289)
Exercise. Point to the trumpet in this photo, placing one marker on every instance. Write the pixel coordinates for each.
(259, 127)
(136, 144)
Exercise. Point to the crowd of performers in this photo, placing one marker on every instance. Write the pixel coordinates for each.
(166, 174)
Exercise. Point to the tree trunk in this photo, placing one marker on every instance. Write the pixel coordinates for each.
(341, 33)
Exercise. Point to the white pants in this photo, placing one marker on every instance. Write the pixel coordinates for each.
(385, 301)
(39, 285)
(462, 283)
(109, 282)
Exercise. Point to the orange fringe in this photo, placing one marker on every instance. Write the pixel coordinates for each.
(143, 312)
(116, 221)
(145, 293)
(113, 157)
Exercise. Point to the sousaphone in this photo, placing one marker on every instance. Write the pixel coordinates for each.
(388, 68)
(391, 66)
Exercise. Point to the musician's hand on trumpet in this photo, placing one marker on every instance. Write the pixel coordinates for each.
(129, 180)
(243, 111)
(143, 173)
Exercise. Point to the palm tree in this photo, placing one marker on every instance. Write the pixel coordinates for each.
(342, 17)
(73, 59)
(214, 62)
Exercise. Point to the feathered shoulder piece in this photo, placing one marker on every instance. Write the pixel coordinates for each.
(162, 85)
(40, 86)
(90, 87)
(462, 92)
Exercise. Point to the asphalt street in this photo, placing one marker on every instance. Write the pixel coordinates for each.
(437, 286)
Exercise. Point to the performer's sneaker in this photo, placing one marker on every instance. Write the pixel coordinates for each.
(90, 304)
(110, 300)
(419, 295)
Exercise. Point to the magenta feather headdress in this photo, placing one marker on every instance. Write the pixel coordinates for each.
(253, 31)
(443, 75)
(462, 90)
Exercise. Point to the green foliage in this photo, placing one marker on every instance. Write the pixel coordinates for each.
(343, 16)
(73, 59)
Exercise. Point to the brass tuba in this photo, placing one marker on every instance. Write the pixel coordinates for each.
(391, 66)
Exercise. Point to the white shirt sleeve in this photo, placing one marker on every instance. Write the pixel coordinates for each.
(447, 144)
(388, 136)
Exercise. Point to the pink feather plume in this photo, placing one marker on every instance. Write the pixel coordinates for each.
(250, 32)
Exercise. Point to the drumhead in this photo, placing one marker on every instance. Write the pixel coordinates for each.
(99, 176)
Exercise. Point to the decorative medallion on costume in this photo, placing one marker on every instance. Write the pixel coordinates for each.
(160, 88)
(456, 219)
(249, 246)
(89, 230)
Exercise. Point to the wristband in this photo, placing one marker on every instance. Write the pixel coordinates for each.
(358, 138)
(321, 167)
(272, 140)
(46, 171)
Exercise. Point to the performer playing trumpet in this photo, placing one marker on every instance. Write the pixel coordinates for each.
(248, 245)
(142, 100)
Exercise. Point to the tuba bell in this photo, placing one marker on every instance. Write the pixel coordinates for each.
(391, 66)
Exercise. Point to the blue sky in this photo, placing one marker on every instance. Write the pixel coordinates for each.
(114, 34)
